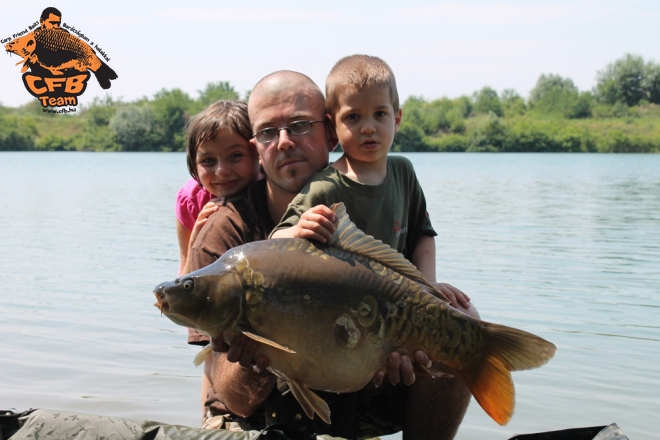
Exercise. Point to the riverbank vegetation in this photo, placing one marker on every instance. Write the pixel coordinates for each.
(620, 114)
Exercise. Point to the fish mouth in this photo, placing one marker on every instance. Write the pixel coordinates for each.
(161, 301)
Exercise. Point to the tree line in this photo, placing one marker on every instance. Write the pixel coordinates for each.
(620, 114)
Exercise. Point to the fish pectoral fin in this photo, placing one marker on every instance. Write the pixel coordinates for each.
(434, 373)
(266, 341)
(310, 402)
(201, 356)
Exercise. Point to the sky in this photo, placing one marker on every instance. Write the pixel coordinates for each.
(435, 48)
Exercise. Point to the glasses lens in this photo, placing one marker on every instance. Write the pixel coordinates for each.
(300, 127)
(267, 134)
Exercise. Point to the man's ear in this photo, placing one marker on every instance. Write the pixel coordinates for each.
(331, 133)
(397, 119)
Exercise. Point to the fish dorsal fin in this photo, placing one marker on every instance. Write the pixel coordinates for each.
(348, 237)
(309, 401)
(266, 341)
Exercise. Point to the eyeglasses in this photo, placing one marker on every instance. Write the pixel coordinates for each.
(296, 128)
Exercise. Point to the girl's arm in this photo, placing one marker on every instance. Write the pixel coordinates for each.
(208, 209)
(183, 236)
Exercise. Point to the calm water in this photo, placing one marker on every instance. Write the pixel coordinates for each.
(564, 246)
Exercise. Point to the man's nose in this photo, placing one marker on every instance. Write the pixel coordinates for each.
(285, 142)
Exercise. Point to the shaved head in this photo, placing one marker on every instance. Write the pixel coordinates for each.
(283, 82)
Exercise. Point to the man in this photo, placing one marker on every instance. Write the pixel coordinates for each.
(280, 101)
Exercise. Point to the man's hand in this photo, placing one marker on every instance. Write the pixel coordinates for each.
(400, 368)
(316, 223)
(241, 350)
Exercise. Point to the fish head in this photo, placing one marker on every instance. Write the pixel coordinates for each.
(23, 46)
(209, 302)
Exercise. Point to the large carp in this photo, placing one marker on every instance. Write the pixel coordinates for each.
(329, 315)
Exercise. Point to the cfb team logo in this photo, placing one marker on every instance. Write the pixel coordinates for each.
(56, 63)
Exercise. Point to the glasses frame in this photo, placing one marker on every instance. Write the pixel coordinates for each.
(288, 130)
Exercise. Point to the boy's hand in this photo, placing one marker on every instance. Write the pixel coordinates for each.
(316, 223)
(456, 297)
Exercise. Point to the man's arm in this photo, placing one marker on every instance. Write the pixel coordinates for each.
(239, 383)
(241, 389)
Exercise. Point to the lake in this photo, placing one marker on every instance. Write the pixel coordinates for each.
(566, 246)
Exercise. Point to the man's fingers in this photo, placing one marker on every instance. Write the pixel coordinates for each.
(260, 365)
(379, 375)
(393, 373)
(247, 355)
(218, 344)
(422, 358)
(407, 371)
(236, 349)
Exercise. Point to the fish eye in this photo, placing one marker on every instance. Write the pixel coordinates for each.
(188, 284)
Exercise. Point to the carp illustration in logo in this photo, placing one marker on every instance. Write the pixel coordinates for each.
(58, 62)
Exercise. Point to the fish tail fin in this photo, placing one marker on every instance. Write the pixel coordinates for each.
(508, 349)
(104, 74)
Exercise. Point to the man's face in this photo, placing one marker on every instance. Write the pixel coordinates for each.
(53, 21)
(290, 161)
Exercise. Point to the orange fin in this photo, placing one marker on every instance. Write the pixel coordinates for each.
(508, 349)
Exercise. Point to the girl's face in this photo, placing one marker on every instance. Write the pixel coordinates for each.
(227, 164)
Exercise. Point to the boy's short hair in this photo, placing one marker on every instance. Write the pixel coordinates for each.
(359, 71)
(204, 126)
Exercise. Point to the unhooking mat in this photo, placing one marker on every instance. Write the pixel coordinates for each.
(43, 424)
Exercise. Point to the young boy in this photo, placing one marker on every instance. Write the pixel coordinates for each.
(382, 197)
(381, 193)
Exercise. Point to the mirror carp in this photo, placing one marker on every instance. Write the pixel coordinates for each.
(328, 315)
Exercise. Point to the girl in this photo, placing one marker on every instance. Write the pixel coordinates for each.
(221, 162)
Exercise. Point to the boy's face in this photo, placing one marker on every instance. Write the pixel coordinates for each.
(366, 122)
(227, 164)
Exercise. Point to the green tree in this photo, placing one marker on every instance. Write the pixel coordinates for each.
(410, 137)
(132, 126)
(556, 96)
(622, 81)
(100, 112)
(512, 103)
(486, 101)
(171, 109)
(216, 91)
(652, 82)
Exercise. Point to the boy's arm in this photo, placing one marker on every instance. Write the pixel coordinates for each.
(424, 258)
(317, 223)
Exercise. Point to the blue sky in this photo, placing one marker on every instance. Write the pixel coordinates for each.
(435, 48)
